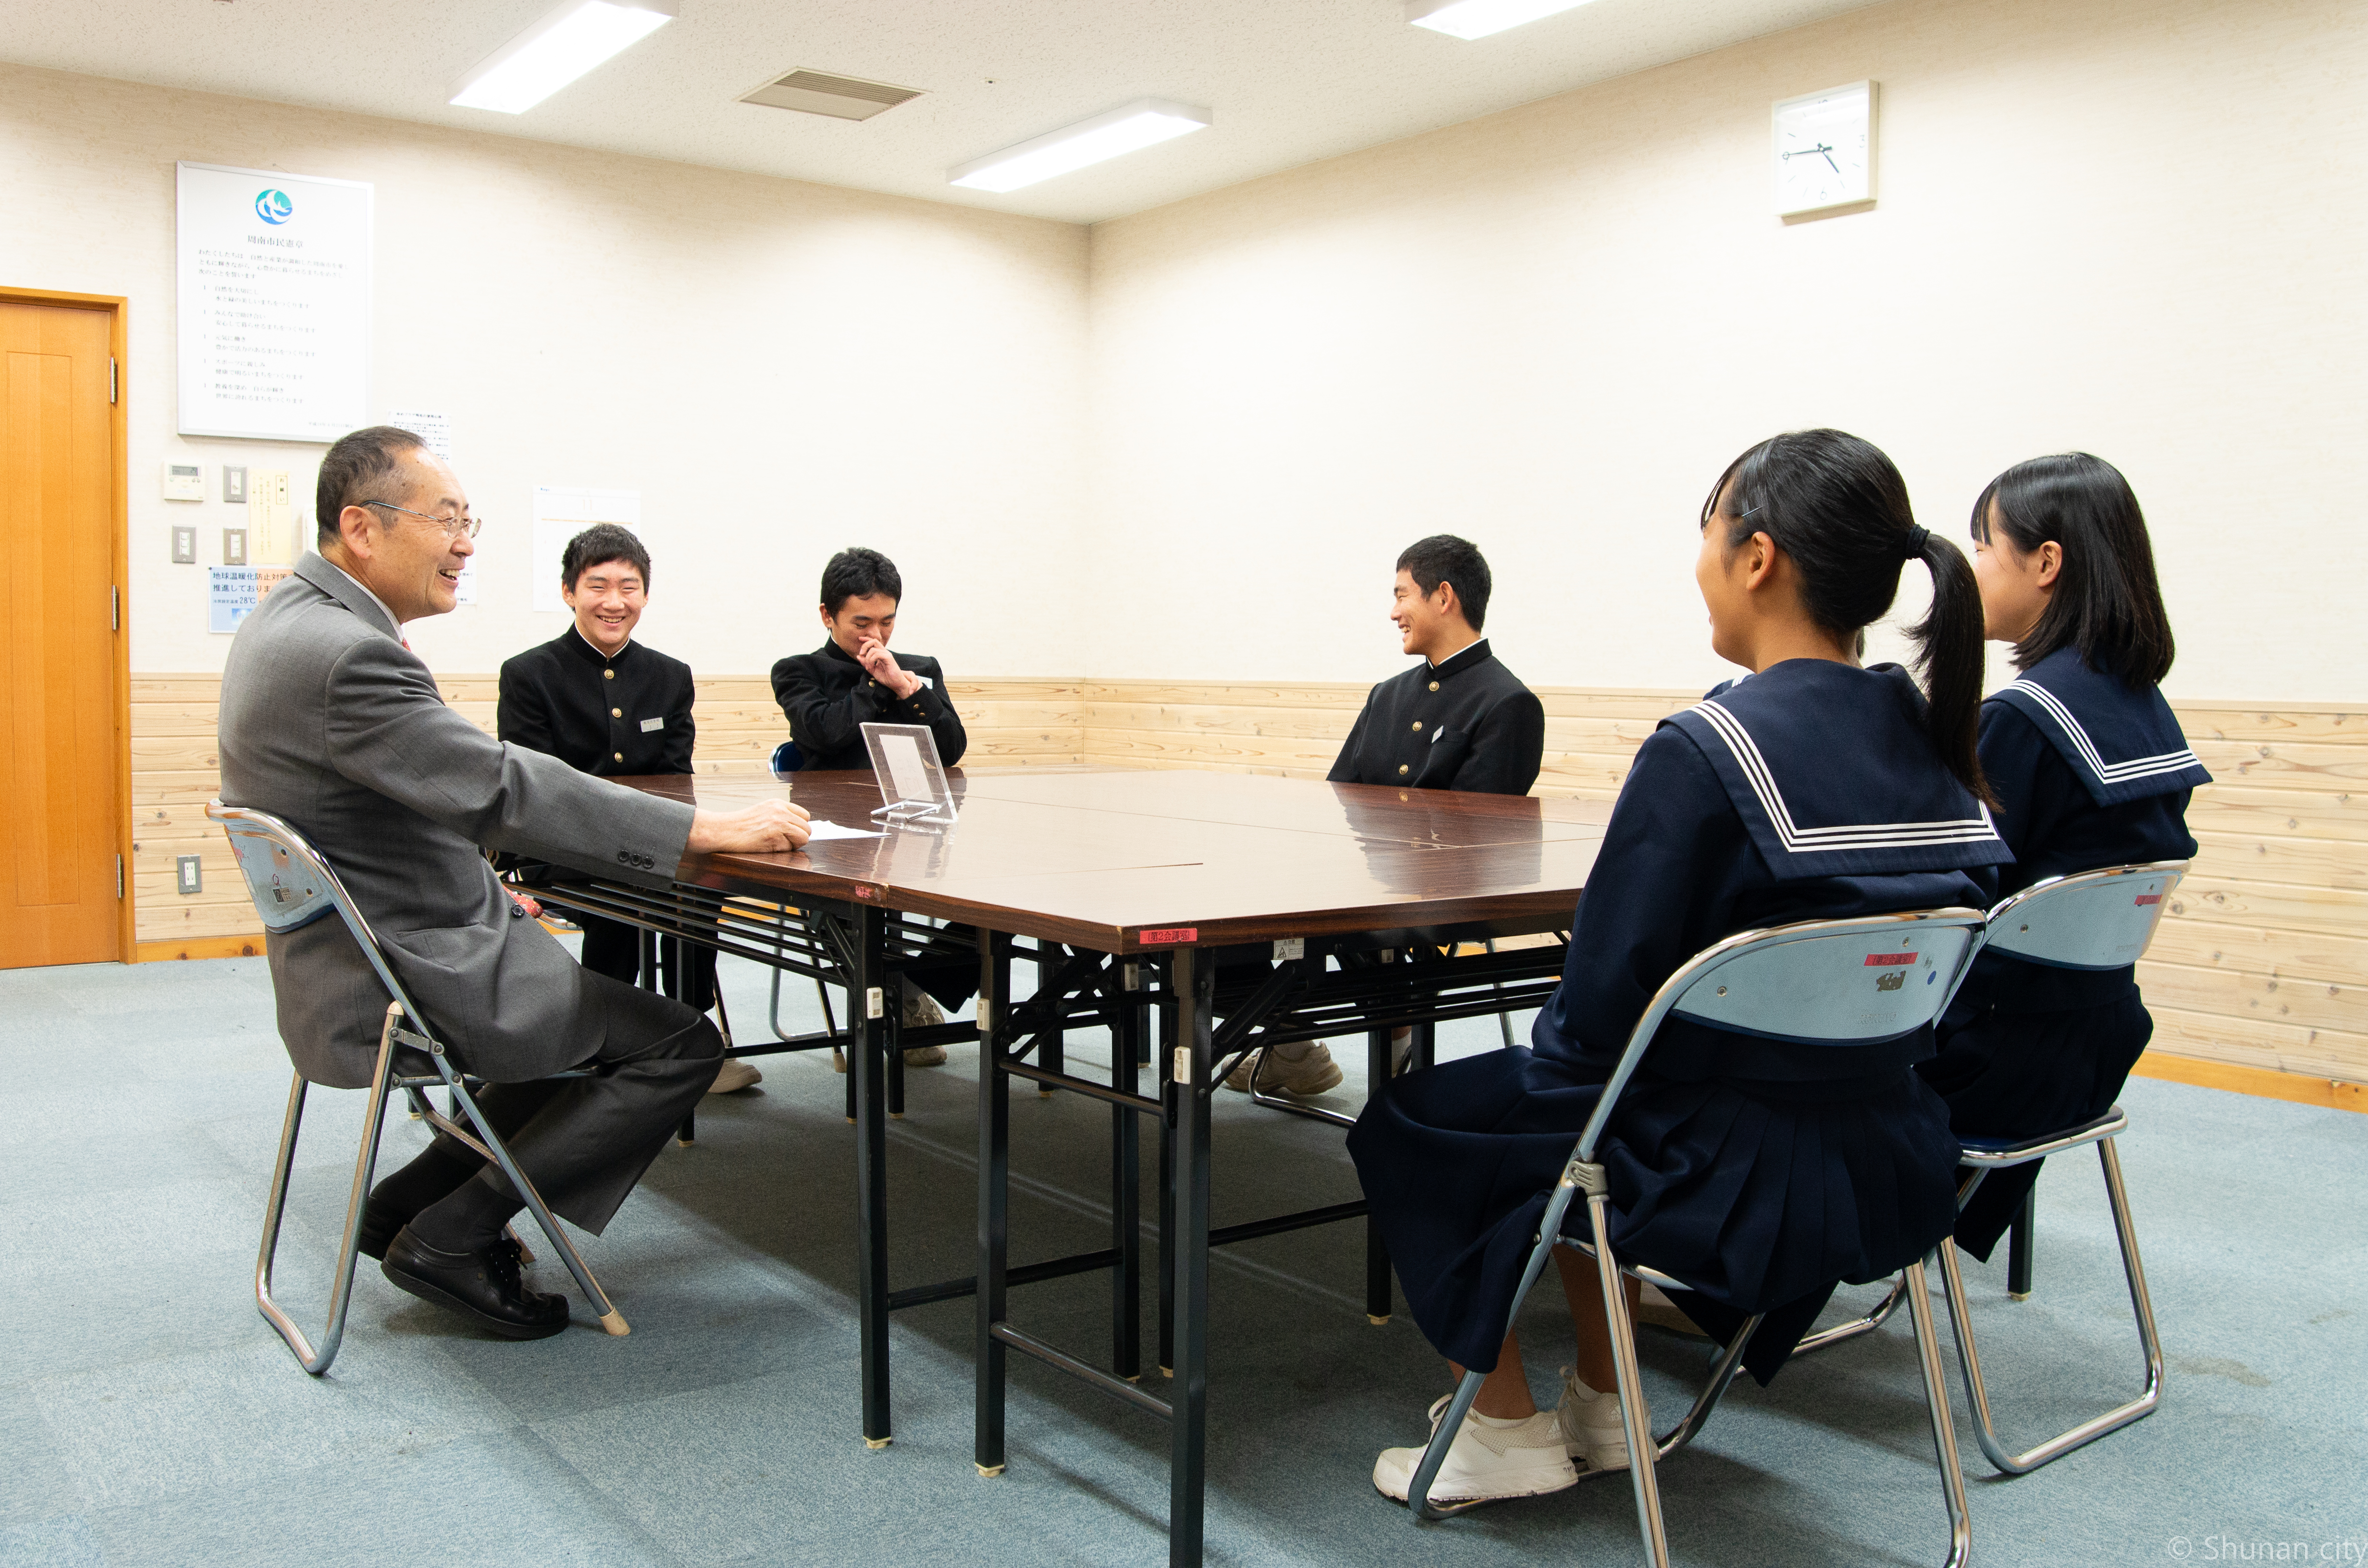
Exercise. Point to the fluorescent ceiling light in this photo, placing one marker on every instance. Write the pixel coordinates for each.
(571, 40)
(1121, 130)
(1478, 18)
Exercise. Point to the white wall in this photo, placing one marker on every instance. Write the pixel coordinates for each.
(2132, 226)
(781, 369)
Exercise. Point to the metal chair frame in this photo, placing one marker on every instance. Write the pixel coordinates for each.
(1804, 982)
(292, 886)
(2081, 921)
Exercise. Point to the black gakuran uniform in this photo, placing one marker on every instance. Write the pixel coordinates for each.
(615, 717)
(828, 698)
(2088, 773)
(1467, 722)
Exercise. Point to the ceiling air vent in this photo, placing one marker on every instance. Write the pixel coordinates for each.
(841, 97)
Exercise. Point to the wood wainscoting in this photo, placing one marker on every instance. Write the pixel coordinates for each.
(2261, 967)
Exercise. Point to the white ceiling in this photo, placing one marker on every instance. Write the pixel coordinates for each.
(1290, 81)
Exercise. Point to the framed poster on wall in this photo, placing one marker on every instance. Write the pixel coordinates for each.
(273, 275)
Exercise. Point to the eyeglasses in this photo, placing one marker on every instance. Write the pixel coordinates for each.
(463, 527)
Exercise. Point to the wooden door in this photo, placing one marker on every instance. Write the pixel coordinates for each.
(60, 815)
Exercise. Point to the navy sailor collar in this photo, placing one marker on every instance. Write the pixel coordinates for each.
(1831, 769)
(2120, 740)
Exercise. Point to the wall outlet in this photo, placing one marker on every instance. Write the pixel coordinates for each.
(233, 546)
(234, 484)
(192, 872)
(183, 481)
(185, 546)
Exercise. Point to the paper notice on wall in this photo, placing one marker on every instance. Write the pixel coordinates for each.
(232, 592)
(563, 511)
(273, 272)
(436, 430)
(274, 521)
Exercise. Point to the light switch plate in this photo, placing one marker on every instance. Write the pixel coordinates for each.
(234, 484)
(233, 546)
(192, 873)
(184, 545)
(185, 481)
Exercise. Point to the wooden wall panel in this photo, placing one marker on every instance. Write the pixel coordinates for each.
(2262, 961)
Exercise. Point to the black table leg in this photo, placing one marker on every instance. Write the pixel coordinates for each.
(867, 1050)
(1142, 1035)
(1195, 982)
(672, 962)
(994, 1199)
(1166, 1061)
(1050, 1053)
(1378, 1303)
(2018, 1245)
(1426, 1048)
(894, 1054)
(1126, 1186)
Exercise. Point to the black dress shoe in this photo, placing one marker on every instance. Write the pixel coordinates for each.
(484, 1286)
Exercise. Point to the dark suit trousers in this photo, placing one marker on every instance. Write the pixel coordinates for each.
(585, 1142)
(614, 949)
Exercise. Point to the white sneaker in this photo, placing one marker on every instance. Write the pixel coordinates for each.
(1299, 1068)
(1490, 1459)
(919, 1011)
(1592, 1432)
(735, 1075)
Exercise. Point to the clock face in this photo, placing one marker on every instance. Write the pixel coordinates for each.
(1825, 148)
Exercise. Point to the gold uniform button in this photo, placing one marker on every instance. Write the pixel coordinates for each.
(608, 675)
(1418, 725)
(621, 757)
(1402, 767)
(1434, 685)
(616, 712)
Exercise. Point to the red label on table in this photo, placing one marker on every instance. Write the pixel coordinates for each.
(863, 891)
(2149, 898)
(1879, 961)
(1173, 935)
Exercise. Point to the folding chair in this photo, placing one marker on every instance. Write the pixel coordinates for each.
(1819, 983)
(2096, 920)
(292, 886)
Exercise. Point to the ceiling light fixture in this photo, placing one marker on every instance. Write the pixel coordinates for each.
(565, 44)
(1121, 130)
(1478, 18)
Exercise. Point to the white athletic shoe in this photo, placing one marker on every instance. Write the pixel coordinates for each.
(919, 1011)
(1300, 1068)
(1589, 1422)
(733, 1076)
(1489, 1460)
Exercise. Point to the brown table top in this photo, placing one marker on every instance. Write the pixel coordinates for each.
(1124, 859)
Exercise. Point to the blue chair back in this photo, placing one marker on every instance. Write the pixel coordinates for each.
(292, 886)
(788, 758)
(2094, 920)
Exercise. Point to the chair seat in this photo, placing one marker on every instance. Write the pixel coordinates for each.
(1996, 1152)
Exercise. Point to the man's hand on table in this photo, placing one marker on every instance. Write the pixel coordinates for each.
(766, 828)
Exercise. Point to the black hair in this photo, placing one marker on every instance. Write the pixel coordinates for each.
(1443, 558)
(2107, 602)
(1836, 506)
(358, 464)
(596, 546)
(856, 573)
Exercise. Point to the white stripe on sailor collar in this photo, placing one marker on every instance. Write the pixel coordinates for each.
(1804, 840)
(2107, 772)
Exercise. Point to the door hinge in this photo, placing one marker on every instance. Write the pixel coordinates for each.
(114, 607)
(110, 377)
(119, 876)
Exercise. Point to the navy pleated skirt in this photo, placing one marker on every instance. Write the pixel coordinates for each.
(1763, 1195)
(2017, 1075)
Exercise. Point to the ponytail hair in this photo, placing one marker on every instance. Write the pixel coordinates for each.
(2107, 602)
(1836, 506)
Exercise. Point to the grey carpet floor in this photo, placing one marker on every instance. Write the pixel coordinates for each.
(148, 1415)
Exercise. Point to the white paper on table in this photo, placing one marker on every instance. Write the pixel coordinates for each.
(820, 829)
(905, 768)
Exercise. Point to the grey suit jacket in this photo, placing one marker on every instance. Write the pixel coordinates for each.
(327, 720)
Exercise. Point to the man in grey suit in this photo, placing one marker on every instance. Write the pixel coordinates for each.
(330, 721)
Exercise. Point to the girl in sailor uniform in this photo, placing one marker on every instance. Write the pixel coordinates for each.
(2089, 769)
(1760, 1172)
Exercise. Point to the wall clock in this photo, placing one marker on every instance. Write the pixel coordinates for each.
(1824, 150)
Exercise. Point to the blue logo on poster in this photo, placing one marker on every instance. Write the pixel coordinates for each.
(273, 207)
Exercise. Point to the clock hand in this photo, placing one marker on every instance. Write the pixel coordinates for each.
(1829, 158)
(1810, 152)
